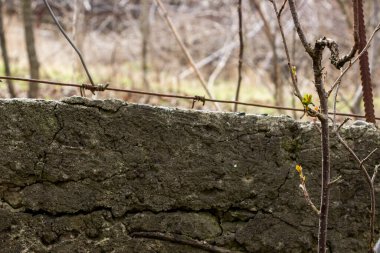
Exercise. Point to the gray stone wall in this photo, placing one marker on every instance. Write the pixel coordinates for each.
(107, 176)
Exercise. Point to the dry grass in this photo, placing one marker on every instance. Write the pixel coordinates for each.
(114, 57)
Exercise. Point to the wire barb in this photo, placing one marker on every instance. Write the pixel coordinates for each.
(198, 98)
(166, 95)
(92, 88)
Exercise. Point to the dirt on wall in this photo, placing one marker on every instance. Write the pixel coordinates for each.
(82, 175)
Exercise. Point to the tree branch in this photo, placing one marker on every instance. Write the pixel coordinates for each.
(308, 199)
(369, 180)
(185, 50)
(241, 53)
(354, 61)
(70, 41)
(290, 65)
(300, 32)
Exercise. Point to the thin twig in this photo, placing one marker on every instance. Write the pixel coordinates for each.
(290, 65)
(185, 50)
(241, 52)
(335, 101)
(375, 173)
(300, 32)
(282, 8)
(354, 61)
(368, 156)
(342, 124)
(317, 127)
(70, 41)
(316, 55)
(369, 182)
(219, 67)
(335, 181)
(180, 239)
(307, 198)
(219, 52)
(271, 36)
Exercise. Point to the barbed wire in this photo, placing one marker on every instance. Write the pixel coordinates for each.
(194, 99)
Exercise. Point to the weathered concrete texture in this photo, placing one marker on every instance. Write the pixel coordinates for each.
(83, 176)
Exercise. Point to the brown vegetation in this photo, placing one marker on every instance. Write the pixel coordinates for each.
(110, 35)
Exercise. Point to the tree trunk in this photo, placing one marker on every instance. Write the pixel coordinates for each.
(4, 52)
(79, 32)
(145, 34)
(279, 90)
(30, 47)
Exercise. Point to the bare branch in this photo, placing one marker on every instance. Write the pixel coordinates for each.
(317, 127)
(335, 181)
(282, 8)
(219, 67)
(185, 50)
(341, 61)
(375, 173)
(369, 181)
(341, 125)
(308, 199)
(241, 53)
(290, 65)
(368, 156)
(70, 41)
(271, 36)
(337, 61)
(300, 32)
(227, 47)
(335, 101)
(354, 61)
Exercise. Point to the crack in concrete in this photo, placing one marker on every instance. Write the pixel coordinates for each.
(150, 124)
(89, 103)
(66, 214)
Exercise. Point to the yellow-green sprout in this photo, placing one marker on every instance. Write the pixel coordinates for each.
(299, 170)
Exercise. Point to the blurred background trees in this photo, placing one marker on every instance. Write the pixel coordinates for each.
(128, 44)
(28, 22)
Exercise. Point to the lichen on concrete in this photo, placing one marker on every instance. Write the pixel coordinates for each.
(81, 175)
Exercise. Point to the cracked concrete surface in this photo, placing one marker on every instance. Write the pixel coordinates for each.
(81, 175)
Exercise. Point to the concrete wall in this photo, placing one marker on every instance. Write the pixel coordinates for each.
(96, 176)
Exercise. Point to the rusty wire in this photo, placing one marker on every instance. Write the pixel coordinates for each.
(365, 72)
(202, 99)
